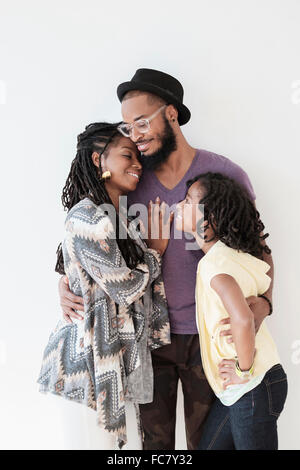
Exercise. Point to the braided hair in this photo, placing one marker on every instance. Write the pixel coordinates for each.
(231, 214)
(84, 180)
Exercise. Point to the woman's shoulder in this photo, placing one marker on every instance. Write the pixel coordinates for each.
(85, 207)
(86, 210)
(90, 216)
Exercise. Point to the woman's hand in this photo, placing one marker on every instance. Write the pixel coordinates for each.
(228, 374)
(69, 302)
(159, 225)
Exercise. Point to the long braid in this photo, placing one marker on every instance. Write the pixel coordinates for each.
(231, 214)
(84, 180)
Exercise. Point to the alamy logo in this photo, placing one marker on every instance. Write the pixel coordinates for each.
(295, 95)
(296, 353)
(143, 226)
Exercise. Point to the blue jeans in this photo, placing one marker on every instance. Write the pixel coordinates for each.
(251, 422)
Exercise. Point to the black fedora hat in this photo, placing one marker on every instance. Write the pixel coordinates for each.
(160, 84)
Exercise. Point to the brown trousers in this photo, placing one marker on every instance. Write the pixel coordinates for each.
(179, 360)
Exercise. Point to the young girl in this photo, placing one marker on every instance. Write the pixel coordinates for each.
(246, 375)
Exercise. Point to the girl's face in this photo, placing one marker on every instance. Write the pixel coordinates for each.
(189, 215)
(123, 163)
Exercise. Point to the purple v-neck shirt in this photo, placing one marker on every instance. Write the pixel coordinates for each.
(179, 265)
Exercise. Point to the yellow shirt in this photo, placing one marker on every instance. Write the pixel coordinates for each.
(250, 273)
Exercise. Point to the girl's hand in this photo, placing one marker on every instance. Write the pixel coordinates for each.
(228, 374)
(158, 226)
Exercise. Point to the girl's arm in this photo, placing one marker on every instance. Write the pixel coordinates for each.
(241, 317)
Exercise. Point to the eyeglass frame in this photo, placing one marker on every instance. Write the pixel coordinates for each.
(147, 120)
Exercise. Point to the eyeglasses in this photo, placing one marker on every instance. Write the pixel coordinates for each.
(142, 125)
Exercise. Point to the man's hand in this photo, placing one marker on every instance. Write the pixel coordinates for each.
(260, 310)
(69, 302)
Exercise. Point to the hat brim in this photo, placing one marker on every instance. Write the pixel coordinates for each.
(184, 113)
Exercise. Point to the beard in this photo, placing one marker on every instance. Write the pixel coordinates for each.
(168, 145)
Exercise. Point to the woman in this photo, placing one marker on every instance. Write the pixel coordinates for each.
(246, 375)
(104, 359)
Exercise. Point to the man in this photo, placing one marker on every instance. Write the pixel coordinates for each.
(153, 111)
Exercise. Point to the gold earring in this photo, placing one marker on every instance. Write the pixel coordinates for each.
(106, 175)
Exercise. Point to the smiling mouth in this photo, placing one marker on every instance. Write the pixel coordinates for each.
(133, 174)
(143, 145)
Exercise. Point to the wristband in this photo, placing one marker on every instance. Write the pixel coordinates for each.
(243, 374)
(269, 302)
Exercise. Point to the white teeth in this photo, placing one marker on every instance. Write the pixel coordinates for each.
(133, 174)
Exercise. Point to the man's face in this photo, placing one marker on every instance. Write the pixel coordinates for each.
(157, 143)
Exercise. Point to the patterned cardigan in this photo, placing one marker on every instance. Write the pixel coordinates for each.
(101, 361)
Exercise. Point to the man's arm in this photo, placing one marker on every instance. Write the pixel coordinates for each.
(259, 305)
(268, 259)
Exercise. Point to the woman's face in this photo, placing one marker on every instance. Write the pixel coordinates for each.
(123, 163)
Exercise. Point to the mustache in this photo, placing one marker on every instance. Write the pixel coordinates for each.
(142, 142)
(168, 145)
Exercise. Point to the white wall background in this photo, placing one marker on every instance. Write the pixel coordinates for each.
(61, 62)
